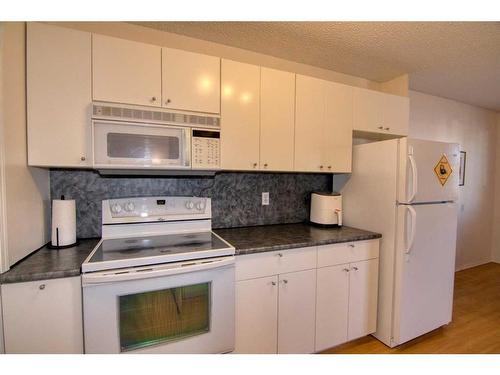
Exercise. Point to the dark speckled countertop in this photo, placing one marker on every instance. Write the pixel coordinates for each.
(46, 263)
(249, 240)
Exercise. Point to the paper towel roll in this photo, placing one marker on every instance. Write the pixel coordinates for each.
(63, 222)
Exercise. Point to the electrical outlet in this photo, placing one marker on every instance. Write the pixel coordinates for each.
(265, 199)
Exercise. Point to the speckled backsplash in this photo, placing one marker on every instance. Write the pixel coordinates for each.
(236, 197)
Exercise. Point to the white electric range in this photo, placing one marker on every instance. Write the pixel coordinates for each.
(159, 281)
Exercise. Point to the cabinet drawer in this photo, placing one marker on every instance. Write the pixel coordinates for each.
(330, 255)
(275, 262)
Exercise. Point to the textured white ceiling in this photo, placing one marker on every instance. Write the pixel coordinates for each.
(457, 60)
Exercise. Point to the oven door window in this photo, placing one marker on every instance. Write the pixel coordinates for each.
(151, 318)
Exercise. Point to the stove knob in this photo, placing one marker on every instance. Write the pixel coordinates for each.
(189, 205)
(200, 206)
(130, 206)
(116, 208)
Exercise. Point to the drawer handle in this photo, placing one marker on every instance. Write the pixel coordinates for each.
(351, 245)
(355, 268)
(279, 255)
(41, 287)
(285, 281)
(346, 270)
(273, 283)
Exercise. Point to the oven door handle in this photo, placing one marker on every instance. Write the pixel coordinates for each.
(158, 271)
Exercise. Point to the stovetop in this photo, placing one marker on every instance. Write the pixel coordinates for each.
(145, 250)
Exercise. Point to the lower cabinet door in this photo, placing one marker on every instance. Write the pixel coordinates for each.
(297, 316)
(363, 293)
(43, 316)
(256, 315)
(332, 301)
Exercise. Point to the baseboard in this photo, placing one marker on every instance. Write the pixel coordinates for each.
(474, 264)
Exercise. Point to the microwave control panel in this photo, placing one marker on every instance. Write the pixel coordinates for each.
(205, 149)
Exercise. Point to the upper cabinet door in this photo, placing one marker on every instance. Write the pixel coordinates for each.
(396, 114)
(58, 63)
(378, 112)
(240, 115)
(309, 120)
(191, 81)
(337, 146)
(277, 116)
(367, 113)
(126, 72)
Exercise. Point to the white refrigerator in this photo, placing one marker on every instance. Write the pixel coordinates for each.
(406, 189)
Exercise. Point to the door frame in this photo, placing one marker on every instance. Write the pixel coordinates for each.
(3, 209)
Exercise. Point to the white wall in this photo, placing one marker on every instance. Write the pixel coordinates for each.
(495, 242)
(26, 189)
(474, 128)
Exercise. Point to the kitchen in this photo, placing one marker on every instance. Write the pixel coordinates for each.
(155, 117)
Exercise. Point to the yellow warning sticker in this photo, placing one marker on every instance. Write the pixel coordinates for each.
(443, 170)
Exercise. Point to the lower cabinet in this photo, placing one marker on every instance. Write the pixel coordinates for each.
(346, 303)
(256, 315)
(43, 316)
(306, 300)
(296, 312)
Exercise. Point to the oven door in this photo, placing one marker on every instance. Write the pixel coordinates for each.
(132, 145)
(185, 307)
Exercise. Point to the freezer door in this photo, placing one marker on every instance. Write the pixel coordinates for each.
(418, 181)
(425, 267)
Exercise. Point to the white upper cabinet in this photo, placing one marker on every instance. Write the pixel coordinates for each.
(337, 131)
(309, 121)
(126, 72)
(58, 63)
(277, 115)
(323, 126)
(240, 115)
(190, 81)
(378, 112)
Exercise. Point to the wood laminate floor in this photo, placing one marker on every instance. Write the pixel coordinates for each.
(475, 327)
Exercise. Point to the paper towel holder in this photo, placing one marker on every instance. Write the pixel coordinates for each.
(58, 247)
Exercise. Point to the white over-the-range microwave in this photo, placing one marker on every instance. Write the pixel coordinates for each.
(137, 139)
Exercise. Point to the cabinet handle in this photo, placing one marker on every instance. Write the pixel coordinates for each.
(285, 281)
(41, 287)
(265, 165)
(279, 255)
(273, 283)
(387, 128)
(346, 270)
(320, 167)
(351, 245)
(83, 158)
(381, 127)
(329, 167)
(255, 165)
(153, 99)
(167, 101)
(355, 268)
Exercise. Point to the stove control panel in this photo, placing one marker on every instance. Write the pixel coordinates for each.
(143, 209)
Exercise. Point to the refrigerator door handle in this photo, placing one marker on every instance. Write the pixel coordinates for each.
(413, 215)
(414, 176)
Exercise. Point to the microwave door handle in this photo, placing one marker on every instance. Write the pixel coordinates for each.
(109, 277)
(413, 215)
